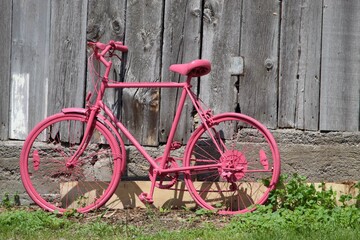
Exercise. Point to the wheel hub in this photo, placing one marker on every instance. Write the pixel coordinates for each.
(233, 165)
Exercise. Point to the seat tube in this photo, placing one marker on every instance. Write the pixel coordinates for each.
(175, 123)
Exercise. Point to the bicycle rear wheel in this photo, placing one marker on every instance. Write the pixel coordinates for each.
(52, 182)
(240, 164)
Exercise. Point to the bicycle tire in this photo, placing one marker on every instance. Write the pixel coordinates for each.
(248, 164)
(88, 183)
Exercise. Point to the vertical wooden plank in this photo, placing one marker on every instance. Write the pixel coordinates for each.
(220, 45)
(5, 66)
(143, 35)
(67, 54)
(181, 44)
(30, 31)
(258, 88)
(106, 21)
(19, 105)
(340, 72)
(299, 83)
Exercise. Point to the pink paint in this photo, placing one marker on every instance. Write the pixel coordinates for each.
(224, 160)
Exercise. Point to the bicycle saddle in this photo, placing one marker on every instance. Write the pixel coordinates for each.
(196, 68)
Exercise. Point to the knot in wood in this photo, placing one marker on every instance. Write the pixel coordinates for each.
(93, 32)
(209, 13)
(116, 27)
(269, 64)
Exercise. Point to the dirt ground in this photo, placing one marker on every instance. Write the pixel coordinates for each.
(151, 219)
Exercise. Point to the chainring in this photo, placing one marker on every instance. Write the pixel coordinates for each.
(165, 180)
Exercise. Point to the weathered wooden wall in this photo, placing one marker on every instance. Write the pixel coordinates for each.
(259, 45)
(301, 61)
(181, 43)
(340, 60)
(300, 55)
(5, 55)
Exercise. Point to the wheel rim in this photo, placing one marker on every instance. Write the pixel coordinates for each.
(248, 169)
(82, 185)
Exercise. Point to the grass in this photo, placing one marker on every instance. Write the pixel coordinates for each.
(295, 210)
(24, 224)
(341, 223)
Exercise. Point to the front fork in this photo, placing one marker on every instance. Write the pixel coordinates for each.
(91, 120)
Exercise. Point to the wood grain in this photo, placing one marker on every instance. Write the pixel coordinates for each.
(143, 36)
(105, 22)
(340, 71)
(29, 65)
(300, 51)
(258, 88)
(181, 44)
(5, 54)
(67, 55)
(301, 61)
(220, 43)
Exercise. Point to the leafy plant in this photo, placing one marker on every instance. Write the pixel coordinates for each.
(7, 202)
(81, 201)
(150, 211)
(204, 212)
(296, 192)
(345, 198)
(164, 210)
(71, 213)
(357, 197)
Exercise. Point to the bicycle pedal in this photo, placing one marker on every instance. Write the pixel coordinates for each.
(144, 198)
(175, 145)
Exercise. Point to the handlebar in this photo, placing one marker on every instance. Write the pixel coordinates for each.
(111, 45)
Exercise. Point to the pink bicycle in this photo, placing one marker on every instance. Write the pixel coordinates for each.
(74, 159)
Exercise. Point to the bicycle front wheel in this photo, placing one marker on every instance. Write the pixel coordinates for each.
(55, 184)
(234, 162)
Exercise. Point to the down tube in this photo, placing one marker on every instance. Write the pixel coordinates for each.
(123, 129)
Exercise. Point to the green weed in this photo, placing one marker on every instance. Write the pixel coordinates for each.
(204, 212)
(295, 210)
(8, 202)
(296, 192)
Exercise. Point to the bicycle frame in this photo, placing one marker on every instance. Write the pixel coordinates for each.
(186, 92)
(215, 162)
(204, 114)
